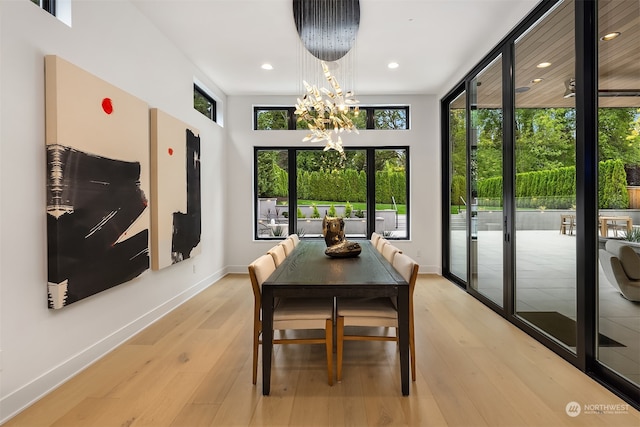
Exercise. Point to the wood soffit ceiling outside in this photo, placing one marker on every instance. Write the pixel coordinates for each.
(552, 40)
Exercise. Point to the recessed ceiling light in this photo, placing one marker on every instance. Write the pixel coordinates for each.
(535, 81)
(543, 64)
(522, 89)
(393, 65)
(267, 66)
(610, 36)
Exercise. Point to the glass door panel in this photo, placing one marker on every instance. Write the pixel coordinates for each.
(458, 187)
(545, 242)
(486, 183)
(619, 181)
(273, 194)
(329, 184)
(391, 193)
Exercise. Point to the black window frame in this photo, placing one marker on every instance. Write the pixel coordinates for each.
(368, 110)
(213, 114)
(290, 113)
(371, 124)
(48, 5)
(292, 204)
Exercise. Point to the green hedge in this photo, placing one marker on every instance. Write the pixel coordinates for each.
(556, 188)
(339, 185)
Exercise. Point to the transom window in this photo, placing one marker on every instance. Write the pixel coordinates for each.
(204, 103)
(48, 5)
(284, 118)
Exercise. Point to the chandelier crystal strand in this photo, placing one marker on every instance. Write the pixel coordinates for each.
(326, 110)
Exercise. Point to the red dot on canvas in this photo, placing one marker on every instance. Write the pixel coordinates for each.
(107, 106)
(170, 150)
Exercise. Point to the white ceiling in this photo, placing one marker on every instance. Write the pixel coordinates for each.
(436, 42)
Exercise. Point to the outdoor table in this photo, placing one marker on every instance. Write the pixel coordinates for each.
(606, 220)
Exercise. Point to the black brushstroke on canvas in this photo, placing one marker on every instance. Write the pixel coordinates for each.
(92, 201)
(186, 226)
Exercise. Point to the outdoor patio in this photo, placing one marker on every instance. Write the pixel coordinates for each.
(546, 282)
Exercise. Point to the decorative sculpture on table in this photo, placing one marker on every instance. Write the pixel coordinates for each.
(337, 245)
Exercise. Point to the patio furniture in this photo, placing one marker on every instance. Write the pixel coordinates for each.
(621, 266)
(615, 223)
(567, 223)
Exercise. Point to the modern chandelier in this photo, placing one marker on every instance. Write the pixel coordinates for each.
(327, 31)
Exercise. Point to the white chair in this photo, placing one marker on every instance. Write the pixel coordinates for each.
(288, 245)
(376, 312)
(290, 313)
(381, 242)
(278, 253)
(389, 251)
(295, 238)
(374, 238)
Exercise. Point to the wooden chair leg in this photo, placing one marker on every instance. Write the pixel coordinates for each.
(340, 343)
(256, 343)
(412, 351)
(329, 345)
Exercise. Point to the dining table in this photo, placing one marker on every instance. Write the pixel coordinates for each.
(308, 272)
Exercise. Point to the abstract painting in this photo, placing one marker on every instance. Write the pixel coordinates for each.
(175, 190)
(97, 148)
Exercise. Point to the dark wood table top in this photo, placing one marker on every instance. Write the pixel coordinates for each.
(308, 265)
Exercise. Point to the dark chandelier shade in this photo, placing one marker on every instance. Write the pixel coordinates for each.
(327, 28)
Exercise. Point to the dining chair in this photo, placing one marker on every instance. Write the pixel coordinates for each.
(381, 242)
(374, 238)
(295, 238)
(290, 314)
(376, 312)
(288, 245)
(389, 251)
(278, 254)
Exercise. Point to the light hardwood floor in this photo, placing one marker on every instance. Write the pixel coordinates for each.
(193, 368)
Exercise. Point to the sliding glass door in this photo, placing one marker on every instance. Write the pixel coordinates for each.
(486, 182)
(618, 343)
(550, 180)
(458, 232)
(545, 145)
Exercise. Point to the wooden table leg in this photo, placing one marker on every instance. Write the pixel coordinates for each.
(403, 336)
(267, 338)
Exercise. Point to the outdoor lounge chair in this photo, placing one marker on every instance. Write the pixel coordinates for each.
(621, 265)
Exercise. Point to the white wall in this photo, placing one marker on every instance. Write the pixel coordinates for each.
(424, 150)
(40, 347)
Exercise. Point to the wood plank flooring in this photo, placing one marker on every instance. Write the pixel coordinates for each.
(193, 368)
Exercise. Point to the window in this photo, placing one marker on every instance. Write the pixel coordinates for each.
(61, 9)
(284, 118)
(296, 187)
(48, 5)
(272, 189)
(388, 118)
(274, 118)
(204, 103)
